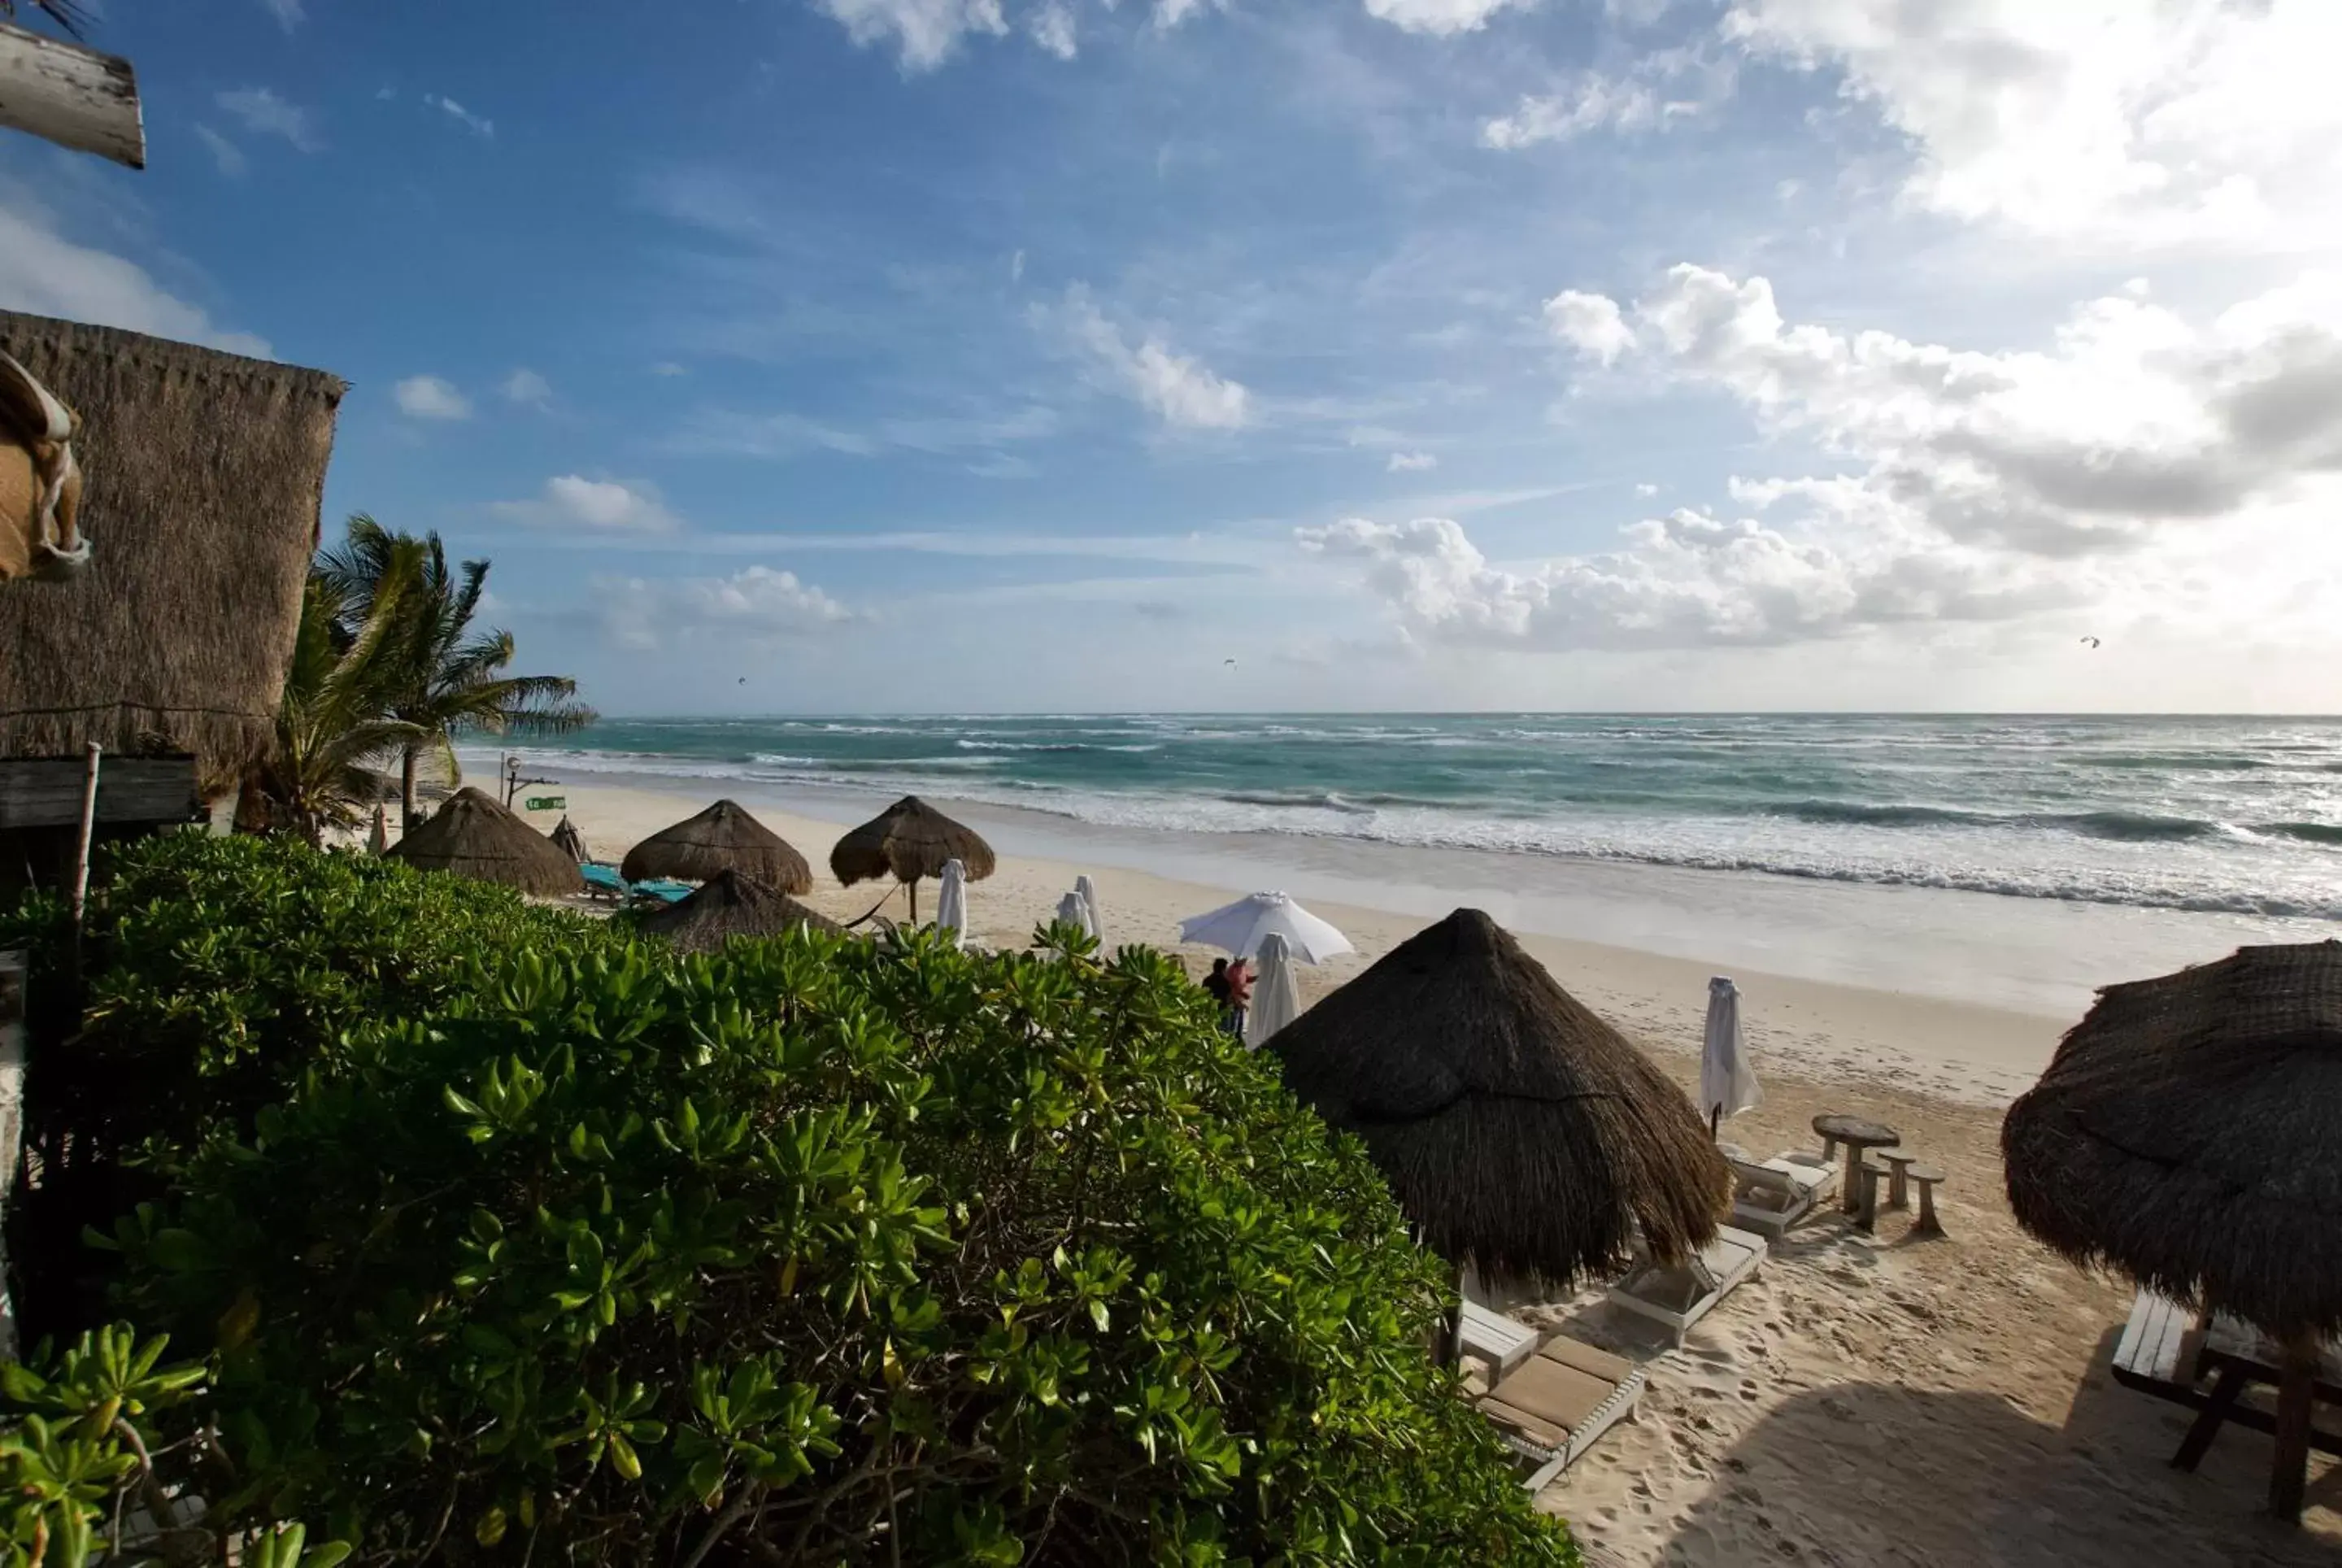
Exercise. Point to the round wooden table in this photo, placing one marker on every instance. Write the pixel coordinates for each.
(1859, 1135)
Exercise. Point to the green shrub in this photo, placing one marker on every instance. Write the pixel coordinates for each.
(80, 1479)
(218, 971)
(816, 1250)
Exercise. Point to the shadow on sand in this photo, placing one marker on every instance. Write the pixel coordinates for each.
(1877, 1474)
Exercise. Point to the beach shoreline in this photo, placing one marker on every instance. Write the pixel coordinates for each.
(1961, 1048)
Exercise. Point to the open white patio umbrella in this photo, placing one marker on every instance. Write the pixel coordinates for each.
(1088, 891)
(1239, 928)
(1276, 994)
(951, 902)
(1727, 1083)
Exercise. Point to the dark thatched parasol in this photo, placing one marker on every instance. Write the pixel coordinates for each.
(473, 835)
(2188, 1132)
(1519, 1132)
(203, 474)
(732, 904)
(571, 841)
(906, 841)
(722, 838)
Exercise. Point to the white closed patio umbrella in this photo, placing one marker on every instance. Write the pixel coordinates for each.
(1073, 911)
(1088, 891)
(1239, 928)
(951, 902)
(379, 840)
(1728, 1083)
(1276, 994)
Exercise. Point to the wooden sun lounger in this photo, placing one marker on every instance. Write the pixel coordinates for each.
(1771, 1197)
(1679, 1296)
(1559, 1402)
(2163, 1351)
(1503, 1342)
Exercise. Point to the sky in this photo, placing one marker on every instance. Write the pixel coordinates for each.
(949, 356)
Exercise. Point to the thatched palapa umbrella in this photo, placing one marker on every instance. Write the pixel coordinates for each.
(2188, 1132)
(1520, 1132)
(722, 838)
(573, 842)
(473, 835)
(732, 904)
(906, 841)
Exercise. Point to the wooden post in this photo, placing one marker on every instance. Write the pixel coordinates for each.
(12, 1120)
(88, 829)
(2289, 1470)
(73, 96)
(913, 887)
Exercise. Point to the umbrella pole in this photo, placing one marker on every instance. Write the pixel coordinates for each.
(913, 887)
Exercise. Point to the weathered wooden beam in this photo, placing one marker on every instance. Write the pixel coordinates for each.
(73, 96)
(47, 792)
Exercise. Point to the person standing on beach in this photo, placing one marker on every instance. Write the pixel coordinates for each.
(1216, 984)
(1239, 995)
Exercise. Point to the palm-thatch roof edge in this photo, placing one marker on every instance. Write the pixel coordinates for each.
(204, 476)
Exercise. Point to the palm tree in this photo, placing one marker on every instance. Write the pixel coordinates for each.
(446, 678)
(331, 729)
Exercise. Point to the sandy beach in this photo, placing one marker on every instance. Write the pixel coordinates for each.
(1865, 1399)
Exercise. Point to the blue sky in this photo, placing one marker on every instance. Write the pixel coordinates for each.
(970, 354)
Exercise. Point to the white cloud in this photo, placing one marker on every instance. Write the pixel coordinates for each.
(264, 113)
(1439, 17)
(42, 272)
(527, 389)
(755, 604)
(1660, 88)
(1688, 580)
(1647, 491)
(1052, 26)
(2136, 419)
(1178, 388)
(668, 368)
(1974, 486)
(1589, 322)
(924, 32)
(574, 502)
(1597, 103)
(477, 125)
(288, 12)
(1412, 462)
(431, 398)
(2111, 121)
(224, 153)
(1169, 13)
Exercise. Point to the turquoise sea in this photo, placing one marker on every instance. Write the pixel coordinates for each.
(2241, 815)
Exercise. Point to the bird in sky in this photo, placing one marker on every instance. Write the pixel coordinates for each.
(1227, 661)
(744, 680)
(2091, 640)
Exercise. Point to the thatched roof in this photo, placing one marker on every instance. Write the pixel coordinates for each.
(722, 838)
(1519, 1132)
(203, 475)
(2188, 1132)
(906, 841)
(570, 841)
(473, 835)
(732, 904)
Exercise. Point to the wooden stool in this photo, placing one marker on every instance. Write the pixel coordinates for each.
(1926, 1176)
(1867, 1177)
(1899, 1191)
(1829, 1150)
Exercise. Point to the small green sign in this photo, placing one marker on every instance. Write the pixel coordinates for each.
(546, 802)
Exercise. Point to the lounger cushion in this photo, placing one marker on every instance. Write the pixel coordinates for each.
(1547, 1398)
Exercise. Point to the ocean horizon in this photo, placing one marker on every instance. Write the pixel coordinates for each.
(2234, 814)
